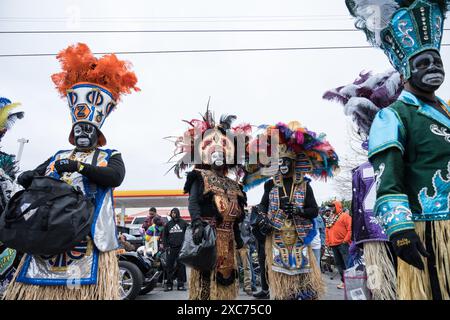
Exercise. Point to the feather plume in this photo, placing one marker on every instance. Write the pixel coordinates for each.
(363, 98)
(372, 16)
(79, 65)
(226, 121)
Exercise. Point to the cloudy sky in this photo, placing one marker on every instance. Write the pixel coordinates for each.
(258, 86)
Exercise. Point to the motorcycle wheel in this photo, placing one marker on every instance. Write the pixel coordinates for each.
(131, 280)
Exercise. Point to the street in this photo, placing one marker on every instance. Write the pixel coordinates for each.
(332, 293)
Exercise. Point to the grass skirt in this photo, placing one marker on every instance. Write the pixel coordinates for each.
(285, 287)
(380, 270)
(107, 287)
(201, 288)
(414, 284)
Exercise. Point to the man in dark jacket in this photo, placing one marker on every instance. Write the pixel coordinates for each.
(173, 236)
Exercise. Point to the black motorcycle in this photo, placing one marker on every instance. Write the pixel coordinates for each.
(139, 273)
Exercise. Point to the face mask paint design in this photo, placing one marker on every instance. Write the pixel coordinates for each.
(427, 71)
(217, 160)
(85, 135)
(285, 166)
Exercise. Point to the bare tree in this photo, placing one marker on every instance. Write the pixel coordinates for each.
(354, 158)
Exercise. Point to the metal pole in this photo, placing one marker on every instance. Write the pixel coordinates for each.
(22, 142)
(122, 216)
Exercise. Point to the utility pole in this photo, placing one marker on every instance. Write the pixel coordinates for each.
(21, 142)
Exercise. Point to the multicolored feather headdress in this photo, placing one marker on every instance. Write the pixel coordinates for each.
(367, 95)
(402, 28)
(7, 117)
(313, 154)
(204, 137)
(93, 86)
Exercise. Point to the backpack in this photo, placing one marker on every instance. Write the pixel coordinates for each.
(48, 218)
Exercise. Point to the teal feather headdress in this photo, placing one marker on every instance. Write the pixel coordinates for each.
(402, 28)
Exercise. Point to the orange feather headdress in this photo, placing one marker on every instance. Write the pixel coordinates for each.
(92, 85)
(79, 65)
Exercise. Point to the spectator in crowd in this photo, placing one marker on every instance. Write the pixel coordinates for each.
(243, 253)
(149, 220)
(123, 243)
(338, 237)
(260, 237)
(153, 234)
(318, 244)
(172, 238)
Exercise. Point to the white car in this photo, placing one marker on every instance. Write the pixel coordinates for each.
(135, 226)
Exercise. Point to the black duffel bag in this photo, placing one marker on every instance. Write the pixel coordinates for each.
(201, 257)
(48, 218)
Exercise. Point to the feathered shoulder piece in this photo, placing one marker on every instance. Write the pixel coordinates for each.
(7, 117)
(363, 98)
(79, 65)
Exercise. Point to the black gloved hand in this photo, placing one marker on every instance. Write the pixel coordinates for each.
(263, 224)
(286, 206)
(300, 212)
(197, 231)
(409, 248)
(26, 178)
(66, 165)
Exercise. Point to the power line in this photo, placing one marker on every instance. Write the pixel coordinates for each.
(173, 31)
(180, 18)
(199, 51)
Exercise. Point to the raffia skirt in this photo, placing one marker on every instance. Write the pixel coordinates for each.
(380, 270)
(107, 287)
(414, 284)
(204, 286)
(285, 287)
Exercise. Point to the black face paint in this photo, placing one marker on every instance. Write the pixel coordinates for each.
(85, 136)
(285, 166)
(427, 71)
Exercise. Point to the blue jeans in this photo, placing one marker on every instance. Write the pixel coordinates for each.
(317, 255)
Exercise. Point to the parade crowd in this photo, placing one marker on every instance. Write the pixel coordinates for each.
(58, 228)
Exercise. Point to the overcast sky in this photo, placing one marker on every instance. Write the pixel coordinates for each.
(259, 87)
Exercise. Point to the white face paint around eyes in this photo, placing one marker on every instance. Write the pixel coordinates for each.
(77, 130)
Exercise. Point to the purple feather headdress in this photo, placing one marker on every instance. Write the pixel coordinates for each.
(366, 96)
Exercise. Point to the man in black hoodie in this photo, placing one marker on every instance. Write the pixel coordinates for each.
(173, 236)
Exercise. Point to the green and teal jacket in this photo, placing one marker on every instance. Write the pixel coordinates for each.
(409, 147)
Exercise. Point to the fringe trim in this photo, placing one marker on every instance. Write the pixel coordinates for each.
(284, 287)
(414, 284)
(107, 287)
(377, 254)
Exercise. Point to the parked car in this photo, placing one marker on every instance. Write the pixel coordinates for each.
(135, 226)
(139, 273)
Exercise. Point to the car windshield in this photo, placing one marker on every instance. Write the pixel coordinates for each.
(139, 220)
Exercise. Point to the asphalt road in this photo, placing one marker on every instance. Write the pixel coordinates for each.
(333, 293)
